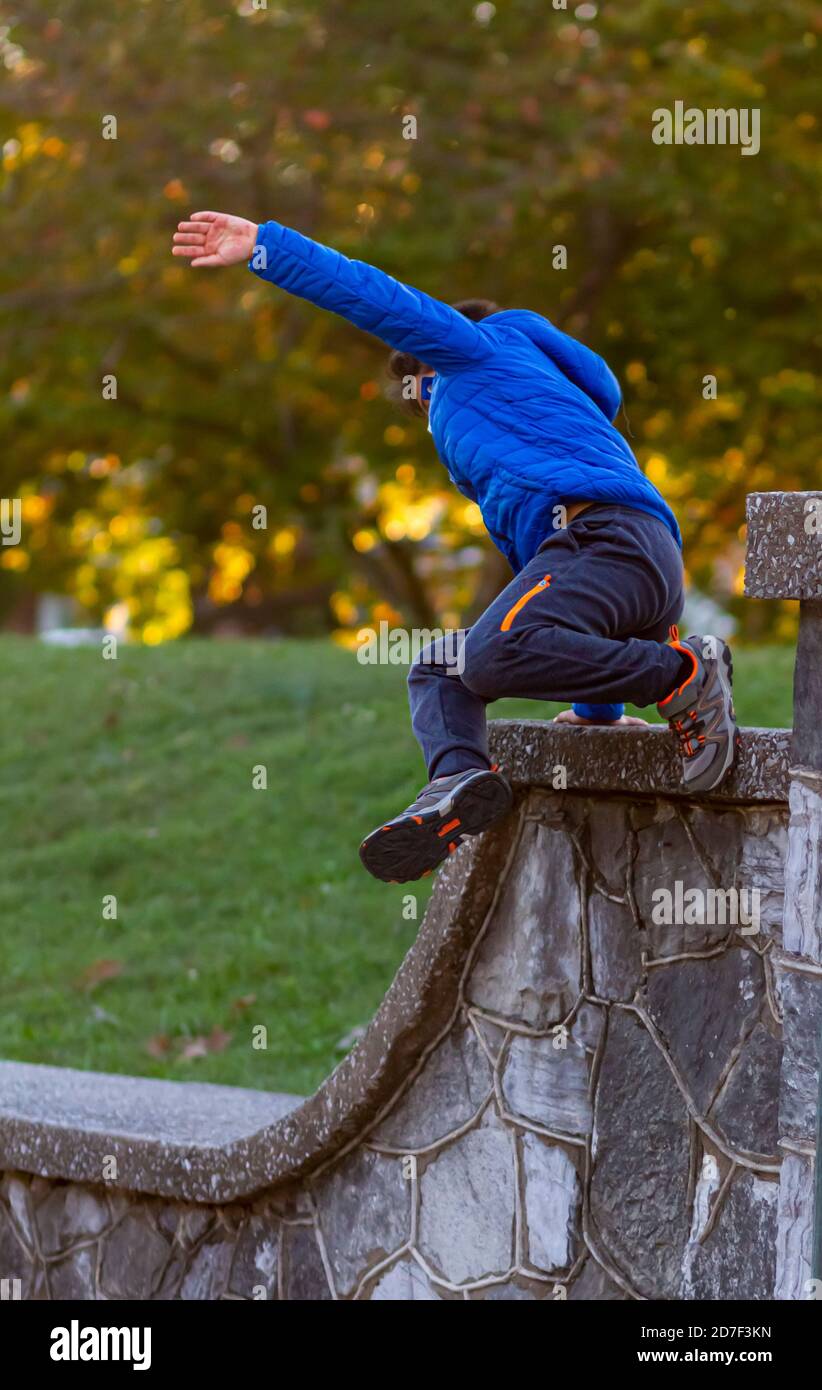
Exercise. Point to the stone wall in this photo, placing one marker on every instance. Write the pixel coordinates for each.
(564, 1094)
(587, 1105)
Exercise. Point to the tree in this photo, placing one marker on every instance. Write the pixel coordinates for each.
(461, 148)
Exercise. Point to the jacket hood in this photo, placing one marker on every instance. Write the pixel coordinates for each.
(583, 368)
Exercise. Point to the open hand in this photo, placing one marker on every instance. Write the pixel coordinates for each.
(215, 238)
(569, 716)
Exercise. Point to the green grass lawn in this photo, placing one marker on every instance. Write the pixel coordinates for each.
(235, 908)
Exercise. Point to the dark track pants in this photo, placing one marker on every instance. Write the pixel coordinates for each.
(585, 621)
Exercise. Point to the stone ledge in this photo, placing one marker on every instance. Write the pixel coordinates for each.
(59, 1122)
(783, 559)
(640, 761)
(205, 1143)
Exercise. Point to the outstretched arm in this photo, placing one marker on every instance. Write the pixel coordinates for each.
(401, 316)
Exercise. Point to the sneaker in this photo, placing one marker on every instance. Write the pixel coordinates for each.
(412, 844)
(701, 712)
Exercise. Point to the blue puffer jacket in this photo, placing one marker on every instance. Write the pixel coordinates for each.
(520, 413)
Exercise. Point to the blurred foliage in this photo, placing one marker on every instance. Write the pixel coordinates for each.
(533, 130)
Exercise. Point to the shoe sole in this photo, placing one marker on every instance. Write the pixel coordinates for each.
(712, 779)
(412, 846)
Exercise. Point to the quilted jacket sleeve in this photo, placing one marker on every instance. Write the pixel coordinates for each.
(403, 317)
(583, 367)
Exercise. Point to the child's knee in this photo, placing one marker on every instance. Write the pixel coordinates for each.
(442, 657)
(485, 671)
(421, 668)
(432, 660)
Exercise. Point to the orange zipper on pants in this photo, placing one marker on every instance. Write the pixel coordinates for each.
(521, 602)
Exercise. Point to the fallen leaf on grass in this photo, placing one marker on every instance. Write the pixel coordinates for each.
(98, 972)
(189, 1049)
(102, 1015)
(244, 1002)
(217, 1041)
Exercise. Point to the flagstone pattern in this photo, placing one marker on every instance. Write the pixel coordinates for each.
(598, 1117)
(565, 1094)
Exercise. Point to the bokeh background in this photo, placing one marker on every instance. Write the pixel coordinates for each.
(533, 130)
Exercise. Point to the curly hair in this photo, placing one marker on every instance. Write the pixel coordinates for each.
(402, 365)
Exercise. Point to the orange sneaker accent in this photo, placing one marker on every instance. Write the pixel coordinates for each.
(521, 602)
(451, 847)
(686, 651)
(418, 819)
(452, 825)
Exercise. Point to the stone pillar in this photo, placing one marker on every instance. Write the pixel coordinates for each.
(784, 561)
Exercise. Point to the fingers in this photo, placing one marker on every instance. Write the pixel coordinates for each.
(191, 237)
(193, 255)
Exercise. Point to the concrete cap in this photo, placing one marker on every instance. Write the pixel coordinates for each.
(784, 550)
(634, 761)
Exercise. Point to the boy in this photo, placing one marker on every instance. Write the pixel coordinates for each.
(521, 415)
